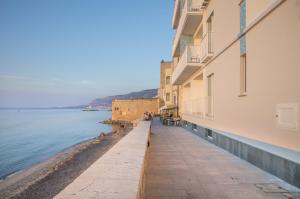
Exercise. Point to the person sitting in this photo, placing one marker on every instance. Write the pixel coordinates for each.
(146, 116)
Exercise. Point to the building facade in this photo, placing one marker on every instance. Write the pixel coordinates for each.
(168, 93)
(133, 109)
(238, 68)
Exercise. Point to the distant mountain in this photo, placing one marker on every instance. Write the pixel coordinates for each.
(107, 101)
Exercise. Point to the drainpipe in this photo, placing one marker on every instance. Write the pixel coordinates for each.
(177, 105)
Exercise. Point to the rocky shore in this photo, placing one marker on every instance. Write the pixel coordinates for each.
(48, 178)
(115, 122)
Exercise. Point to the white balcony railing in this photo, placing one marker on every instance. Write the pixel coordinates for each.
(188, 63)
(195, 107)
(199, 107)
(190, 7)
(207, 47)
(191, 55)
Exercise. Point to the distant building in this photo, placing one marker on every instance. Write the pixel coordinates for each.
(237, 63)
(133, 109)
(168, 93)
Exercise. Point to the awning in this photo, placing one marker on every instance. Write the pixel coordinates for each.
(168, 107)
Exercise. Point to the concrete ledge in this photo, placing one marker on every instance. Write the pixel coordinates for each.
(278, 161)
(117, 174)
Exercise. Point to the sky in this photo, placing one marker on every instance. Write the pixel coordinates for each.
(68, 52)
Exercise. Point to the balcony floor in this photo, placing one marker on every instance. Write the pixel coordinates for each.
(183, 165)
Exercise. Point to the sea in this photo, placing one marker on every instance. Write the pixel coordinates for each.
(30, 136)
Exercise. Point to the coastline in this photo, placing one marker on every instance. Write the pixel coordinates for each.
(49, 177)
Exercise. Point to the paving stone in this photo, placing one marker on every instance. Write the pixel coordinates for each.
(183, 165)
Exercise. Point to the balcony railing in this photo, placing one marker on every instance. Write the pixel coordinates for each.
(199, 107)
(195, 107)
(207, 47)
(188, 63)
(191, 55)
(190, 7)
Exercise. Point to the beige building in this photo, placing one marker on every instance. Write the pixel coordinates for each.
(237, 63)
(133, 109)
(168, 93)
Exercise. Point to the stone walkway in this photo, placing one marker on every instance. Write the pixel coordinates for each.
(182, 165)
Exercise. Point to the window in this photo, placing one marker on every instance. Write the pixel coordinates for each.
(167, 96)
(210, 97)
(242, 27)
(243, 76)
(210, 32)
(168, 80)
(242, 16)
(194, 127)
(184, 123)
(243, 60)
(174, 100)
(209, 134)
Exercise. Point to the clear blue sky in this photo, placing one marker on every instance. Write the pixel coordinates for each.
(67, 52)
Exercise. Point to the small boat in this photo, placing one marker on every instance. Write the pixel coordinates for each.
(90, 108)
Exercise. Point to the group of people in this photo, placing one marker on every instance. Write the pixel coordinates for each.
(148, 116)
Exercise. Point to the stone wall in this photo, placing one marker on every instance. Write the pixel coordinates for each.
(133, 109)
(118, 173)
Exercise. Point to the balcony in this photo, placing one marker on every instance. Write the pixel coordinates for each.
(194, 107)
(187, 65)
(191, 16)
(207, 47)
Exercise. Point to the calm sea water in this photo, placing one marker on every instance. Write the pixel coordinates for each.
(31, 136)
